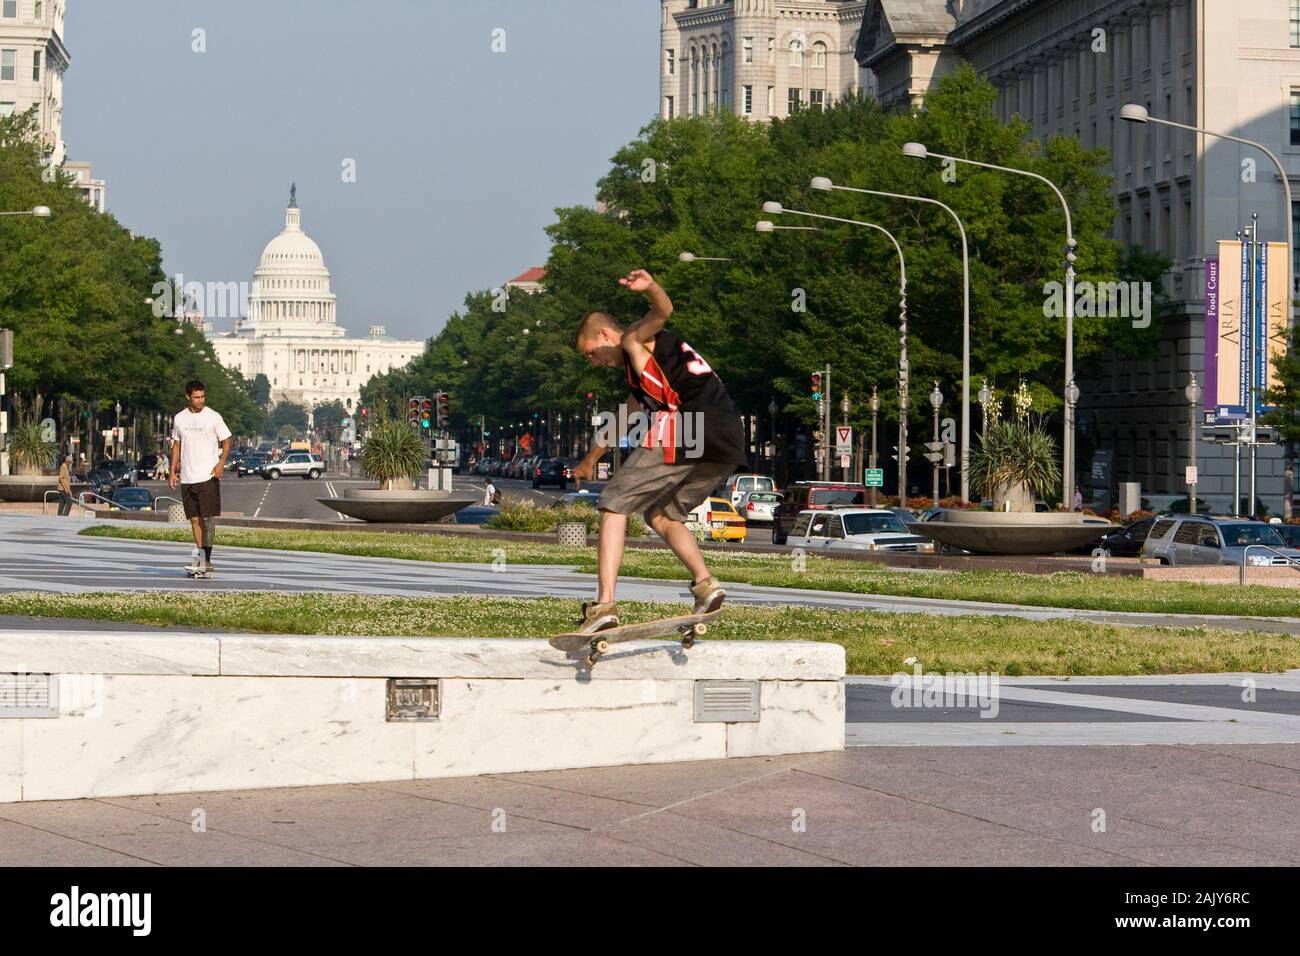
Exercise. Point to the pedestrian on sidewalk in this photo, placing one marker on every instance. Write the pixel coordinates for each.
(65, 486)
(490, 494)
(200, 446)
(693, 442)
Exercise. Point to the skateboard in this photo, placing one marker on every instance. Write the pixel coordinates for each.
(687, 626)
(196, 568)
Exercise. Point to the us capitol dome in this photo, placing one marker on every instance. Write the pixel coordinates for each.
(291, 334)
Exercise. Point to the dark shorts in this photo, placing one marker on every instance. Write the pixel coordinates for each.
(646, 485)
(202, 500)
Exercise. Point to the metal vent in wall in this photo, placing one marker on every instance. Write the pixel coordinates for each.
(413, 699)
(726, 701)
(29, 695)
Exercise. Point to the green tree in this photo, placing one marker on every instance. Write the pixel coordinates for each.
(288, 415)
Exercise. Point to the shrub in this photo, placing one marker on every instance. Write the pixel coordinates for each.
(522, 514)
(1015, 453)
(392, 450)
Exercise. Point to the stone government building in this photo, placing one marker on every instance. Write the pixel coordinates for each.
(290, 333)
(1228, 65)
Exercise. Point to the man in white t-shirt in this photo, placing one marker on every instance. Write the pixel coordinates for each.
(200, 445)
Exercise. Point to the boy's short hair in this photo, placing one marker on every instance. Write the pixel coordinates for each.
(592, 322)
(194, 385)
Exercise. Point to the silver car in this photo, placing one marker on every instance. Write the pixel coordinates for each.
(759, 507)
(1178, 540)
(857, 529)
(298, 463)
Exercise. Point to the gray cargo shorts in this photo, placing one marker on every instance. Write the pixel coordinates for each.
(645, 484)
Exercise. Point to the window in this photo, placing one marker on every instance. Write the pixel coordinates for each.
(10, 9)
(1295, 112)
(816, 99)
(1295, 22)
(771, 49)
(819, 56)
(1161, 528)
(38, 9)
(36, 65)
(771, 100)
(747, 45)
(873, 524)
(795, 101)
(672, 62)
(668, 106)
(9, 57)
(835, 527)
(749, 100)
(1188, 532)
(6, 109)
(796, 52)
(801, 523)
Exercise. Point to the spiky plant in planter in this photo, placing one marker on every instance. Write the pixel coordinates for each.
(30, 452)
(1014, 464)
(393, 455)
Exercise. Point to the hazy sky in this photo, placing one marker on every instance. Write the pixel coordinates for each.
(462, 154)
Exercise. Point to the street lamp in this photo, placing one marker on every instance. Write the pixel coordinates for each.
(986, 399)
(875, 412)
(1071, 400)
(775, 208)
(824, 184)
(1138, 114)
(692, 257)
(936, 402)
(1193, 393)
(919, 151)
(39, 212)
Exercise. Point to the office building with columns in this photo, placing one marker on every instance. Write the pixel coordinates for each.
(290, 332)
(757, 58)
(1067, 67)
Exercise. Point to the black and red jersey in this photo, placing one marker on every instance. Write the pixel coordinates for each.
(677, 379)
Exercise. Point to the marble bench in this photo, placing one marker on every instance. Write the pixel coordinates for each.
(85, 714)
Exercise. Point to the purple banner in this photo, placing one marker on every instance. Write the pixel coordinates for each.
(1211, 332)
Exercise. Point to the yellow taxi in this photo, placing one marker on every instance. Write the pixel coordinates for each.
(716, 519)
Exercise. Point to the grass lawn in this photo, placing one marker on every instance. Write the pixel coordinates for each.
(1071, 589)
(874, 643)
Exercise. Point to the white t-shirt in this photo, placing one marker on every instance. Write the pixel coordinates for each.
(200, 436)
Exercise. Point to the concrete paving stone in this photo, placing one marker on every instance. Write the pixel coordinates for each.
(212, 848)
(26, 846)
(1211, 854)
(540, 803)
(179, 806)
(548, 843)
(89, 819)
(658, 785)
(708, 845)
(1278, 755)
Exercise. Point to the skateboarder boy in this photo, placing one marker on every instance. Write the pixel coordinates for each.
(668, 475)
(200, 445)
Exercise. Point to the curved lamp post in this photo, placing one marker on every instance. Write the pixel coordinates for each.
(825, 185)
(40, 212)
(692, 257)
(919, 151)
(776, 209)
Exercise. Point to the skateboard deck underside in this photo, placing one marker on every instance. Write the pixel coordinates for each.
(668, 628)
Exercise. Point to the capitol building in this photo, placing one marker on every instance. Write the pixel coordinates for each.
(290, 332)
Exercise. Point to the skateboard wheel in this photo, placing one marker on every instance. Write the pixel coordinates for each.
(688, 642)
(591, 660)
(700, 629)
(601, 646)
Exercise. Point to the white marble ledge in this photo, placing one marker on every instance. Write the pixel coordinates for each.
(113, 652)
(289, 656)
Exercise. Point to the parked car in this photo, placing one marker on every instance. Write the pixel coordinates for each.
(251, 464)
(856, 529)
(552, 471)
(122, 472)
(131, 499)
(583, 497)
(298, 463)
(145, 468)
(739, 485)
(805, 495)
(1199, 539)
(1290, 534)
(758, 507)
(100, 483)
(719, 519)
(1127, 541)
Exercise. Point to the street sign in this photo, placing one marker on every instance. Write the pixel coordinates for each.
(844, 460)
(843, 439)
(934, 451)
(1190, 477)
(874, 477)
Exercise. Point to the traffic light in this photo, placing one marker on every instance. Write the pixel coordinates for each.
(817, 386)
(895, 454)
(426, 414)
(413, 412)
(444, 409)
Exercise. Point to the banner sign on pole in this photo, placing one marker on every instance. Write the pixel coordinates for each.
(1245, 327)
